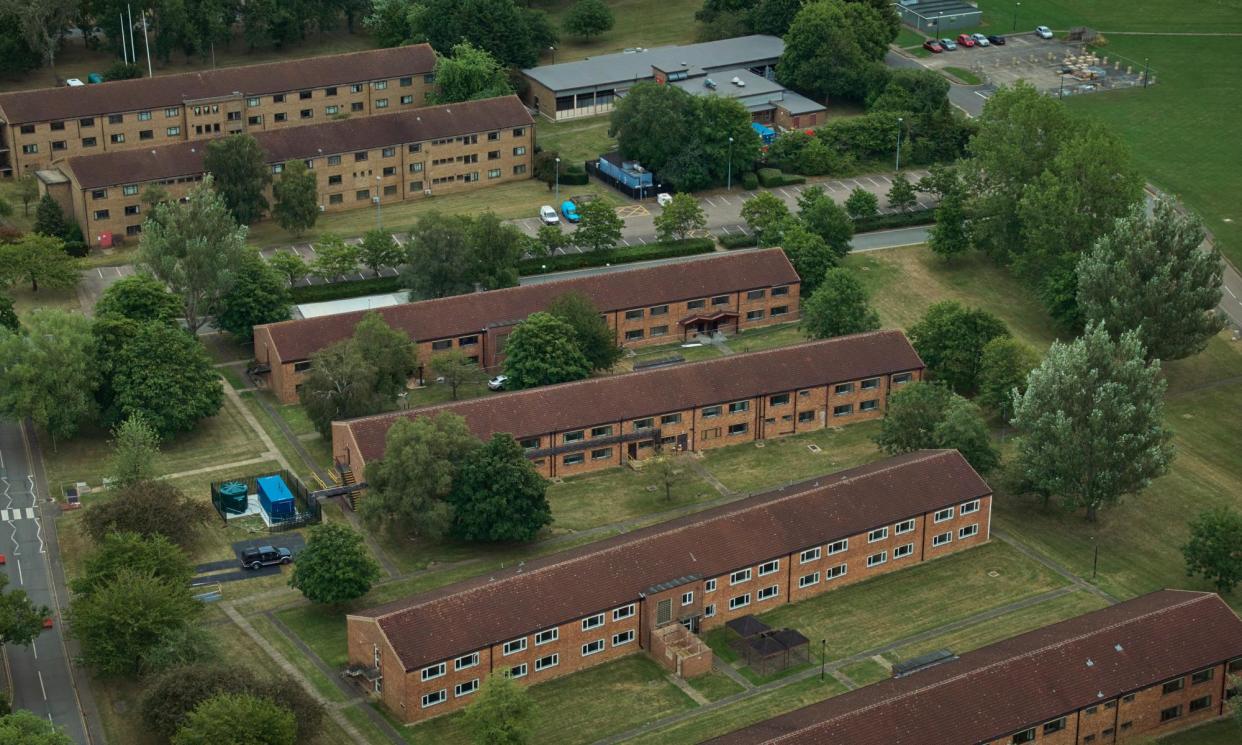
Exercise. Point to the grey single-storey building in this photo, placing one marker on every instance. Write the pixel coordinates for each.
(937, 17)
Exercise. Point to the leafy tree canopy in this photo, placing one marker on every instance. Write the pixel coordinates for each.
(503, 713)
(23, 727)
(259, 295)
(827, 219)
(38, 259)
(838, 307)
(591, 333)
(1214, 551)
(47, 374)
(542, 350)
(151, 509)
(588, 18)
(335, 567)
(238, 719)
(241, 174)
(498, 496)
(139, 297)
(950, 338)
(927, 415)
(297, 198)
(469, 73)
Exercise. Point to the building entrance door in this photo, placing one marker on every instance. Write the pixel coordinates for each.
(691, 624)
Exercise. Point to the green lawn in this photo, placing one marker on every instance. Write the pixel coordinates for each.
(749, 468)
(964, 75)
(908, 37)
(715, 686)
(1216, 733)
(618, 494)
(576, 140)
(893, 606)
(583, 707)
(767, 338)
(865, 672)
(638, 23)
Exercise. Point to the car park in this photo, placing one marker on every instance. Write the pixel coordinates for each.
(262, 556)
(965, 40)
(997, 39)
(981, 40)
(497, 383)
(569, 211)
(933, 46)
(548, 215)
(1043, 32)
(948, 45)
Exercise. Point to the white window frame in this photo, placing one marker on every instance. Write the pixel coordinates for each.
(744, 599)
(943, 515)
(808, 580)
(905, 526)
(831, 573)
(517, 671)
(510, 647)
(968, 508)
(540, 640)
(733, 577)
(466, 688)
(593, 622)
(709, 585)
(768, 593)
(623, 612)
(623, 638)
(709, 610)
(590, 647)
(430, 672)
(556, 660)
(809, 555)
(878, 534)
(687, 598)
(440, 697)
(466, 661)
(875, 560)
(840, 546)
(769, 567)
(902, 552)
(942, 539)
(968, 531)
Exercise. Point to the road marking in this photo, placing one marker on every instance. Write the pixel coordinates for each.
(725, 228)
(625, 242)
(30, 513)
(641, 240)
(33, 648)
(42, 688)
(21, 580)
(980, 95)
(1235, 297)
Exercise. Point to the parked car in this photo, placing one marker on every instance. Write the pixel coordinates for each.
(1043, 32)
(548, 215)
(262, 556)
(981, 40)
(570, 211)
(997, 39)
(497, 383)
(74, 83)
(965, 40)
(664, 199)
(933, 46)
(948, 45)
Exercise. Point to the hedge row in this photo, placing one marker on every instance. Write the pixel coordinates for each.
(895, 220)
(738, 240)
(623, 255)
(750, 181)
(341, 290)
(771, 178)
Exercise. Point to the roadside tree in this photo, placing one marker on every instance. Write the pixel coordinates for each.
(21, 621)
(495, 248)
(334, 257)
(47, 374)
(948, 237)
(901, 195)
(497, 496)
(765, 214)
(38, 259)
(438, 245)
(862, 204)
(22, 727)
(542, 350)
(827, 219)
(680, 218)
(135, 446)
(335, 567)
(600, 228)
(839, 306)
(810, 255)
(379, 249)
(291, 266)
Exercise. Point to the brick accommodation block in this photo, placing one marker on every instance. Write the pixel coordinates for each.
(603, 422)
(41, 127)
(611, 598)
(656, 305)
(397, 157)
(1142, 668)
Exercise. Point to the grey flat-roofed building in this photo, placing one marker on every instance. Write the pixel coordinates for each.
(588, 87)
(766, 100)
(936, 17)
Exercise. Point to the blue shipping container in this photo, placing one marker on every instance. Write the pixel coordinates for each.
(625, 171)
(275, 498)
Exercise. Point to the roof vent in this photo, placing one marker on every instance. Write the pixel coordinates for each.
(1118, 648)
(1099, 694)
(739, 82)
(1090, 663)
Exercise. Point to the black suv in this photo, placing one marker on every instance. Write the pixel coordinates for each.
(261, 556)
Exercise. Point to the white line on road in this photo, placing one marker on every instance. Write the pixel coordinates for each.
(42, 688)
(21, 580)
(34, 649)
(641, 240)
(30, 513)
(1235, 297)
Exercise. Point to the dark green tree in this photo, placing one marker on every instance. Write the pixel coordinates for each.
(765, 214)
(47, 373)
(151, 509)
(334, 257)
(241, 175)
(238, 719)
(27, 186)
(835, 48)
(456, 370)
(379, 249)
(437, 246)
(139, 297)
(948, 237)
(950, 338)
(680, 218)
(120, 552)
(839, 306)
(409, 486)
(135, 446)
(296, 195)
(588, 18)
(927, 415)
(646, 113)
(497, 496)
(542, 350)
(1003, 368)
(496, 247)
(17, 56)
(591, 334)
(341, 385)
(862, 204)
(469, 73)
(513, 35)
(502, 714)
(259, 295)
(389, 22)
(21, 621)
(22, 727)
(390, 352)
(1214, 551)
(901, 195)
(600, 228)
(290, 266)
(38, 260)
(335, 567)
(827, 219)
(50, 219)
(913, 91)
(810, 255)
(8, 315)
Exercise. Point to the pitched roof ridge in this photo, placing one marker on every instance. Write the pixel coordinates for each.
(738, 508)
(774, 351)
(965, 674)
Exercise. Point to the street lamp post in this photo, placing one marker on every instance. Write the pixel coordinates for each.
(1015, 16)
(379, 222)
(729, 178)
(899, 121)
(1095, 561)
(823, 658)
(553, 51)
(558, 181)
(1145, 69)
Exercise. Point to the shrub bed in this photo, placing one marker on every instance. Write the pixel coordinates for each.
(895, 220)
(738, 240)
(623, 255)
(750, 181)
(341, 290)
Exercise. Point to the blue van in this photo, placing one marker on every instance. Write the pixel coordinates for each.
(569, 211)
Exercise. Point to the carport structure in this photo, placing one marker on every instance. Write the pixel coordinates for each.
(934, 17)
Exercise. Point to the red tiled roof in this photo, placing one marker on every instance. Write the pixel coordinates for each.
(555, 589)
(466, 314)
(52, 104)
(569, 406)
(311, 141)
(1021, 682)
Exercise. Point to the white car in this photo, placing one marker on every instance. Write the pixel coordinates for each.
(548, 215)
(74, 83)
(664, 199)
(981, 40)
(497, 383)
(1043, 32)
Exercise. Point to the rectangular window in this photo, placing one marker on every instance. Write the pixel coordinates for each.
(494, 173)
(336, 198)
(592, 622)
(644, 423)
(468, 341)
(1202, 676)
(1056, 725)
(768, 592)
(741, 601)
(1199, 704)
(1173, 686)
(720, 300)
(99, 194)
(659, 331)
(625, 637)
(117, 138)
(1128, 698)
(101, 214)
(902, 378)
(84, 122)
(174, 131)
(870, 384)
(658, 310)
(942, 515)
(281, 116)
(601, 454)
(1171, 713)
(624, 611)
(687, 598)
(837, 547)
(878, 534)
(144, 116)
(905, 526)
(809, 555)
(593, 647)
(634, 315)
(434, 671)
(711, 411)
(517, 671)
(769, 567)
(738, 429)
(380, 85)
(807, 580)
(869, 405)
(543, 663)
(519, 150)
(969, 508)
(709, 610)
(670, 419)
(519, 132)
(89, 142)
(778, 400)
(843, 410)
(467, 688)
(355, 88)
(465, 661)
(573, 460)
(58, 145)
(806, 416)
(709, 586)
(519, 169)
(515, 646)
(334, 160)
(696, 304)
(547, 636)
(435, 697)
(740, 576)
(943, 538)
(968, 531)
(406, 82)
(874, 560)
(32, 149)
(131, 209)
(1024, 736)
(381, 103)
(115, 118)
(330, 91)
(737, 407)
(407, 100)
(362, 194)
(146, 134)
(754, 315)
(633, 334)
(601, 431)
(902, 552)
(843, 389)
(756, 294)
(356, 106)
(332, 110)
(779, 310)
(838, 571)
(574, 436)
